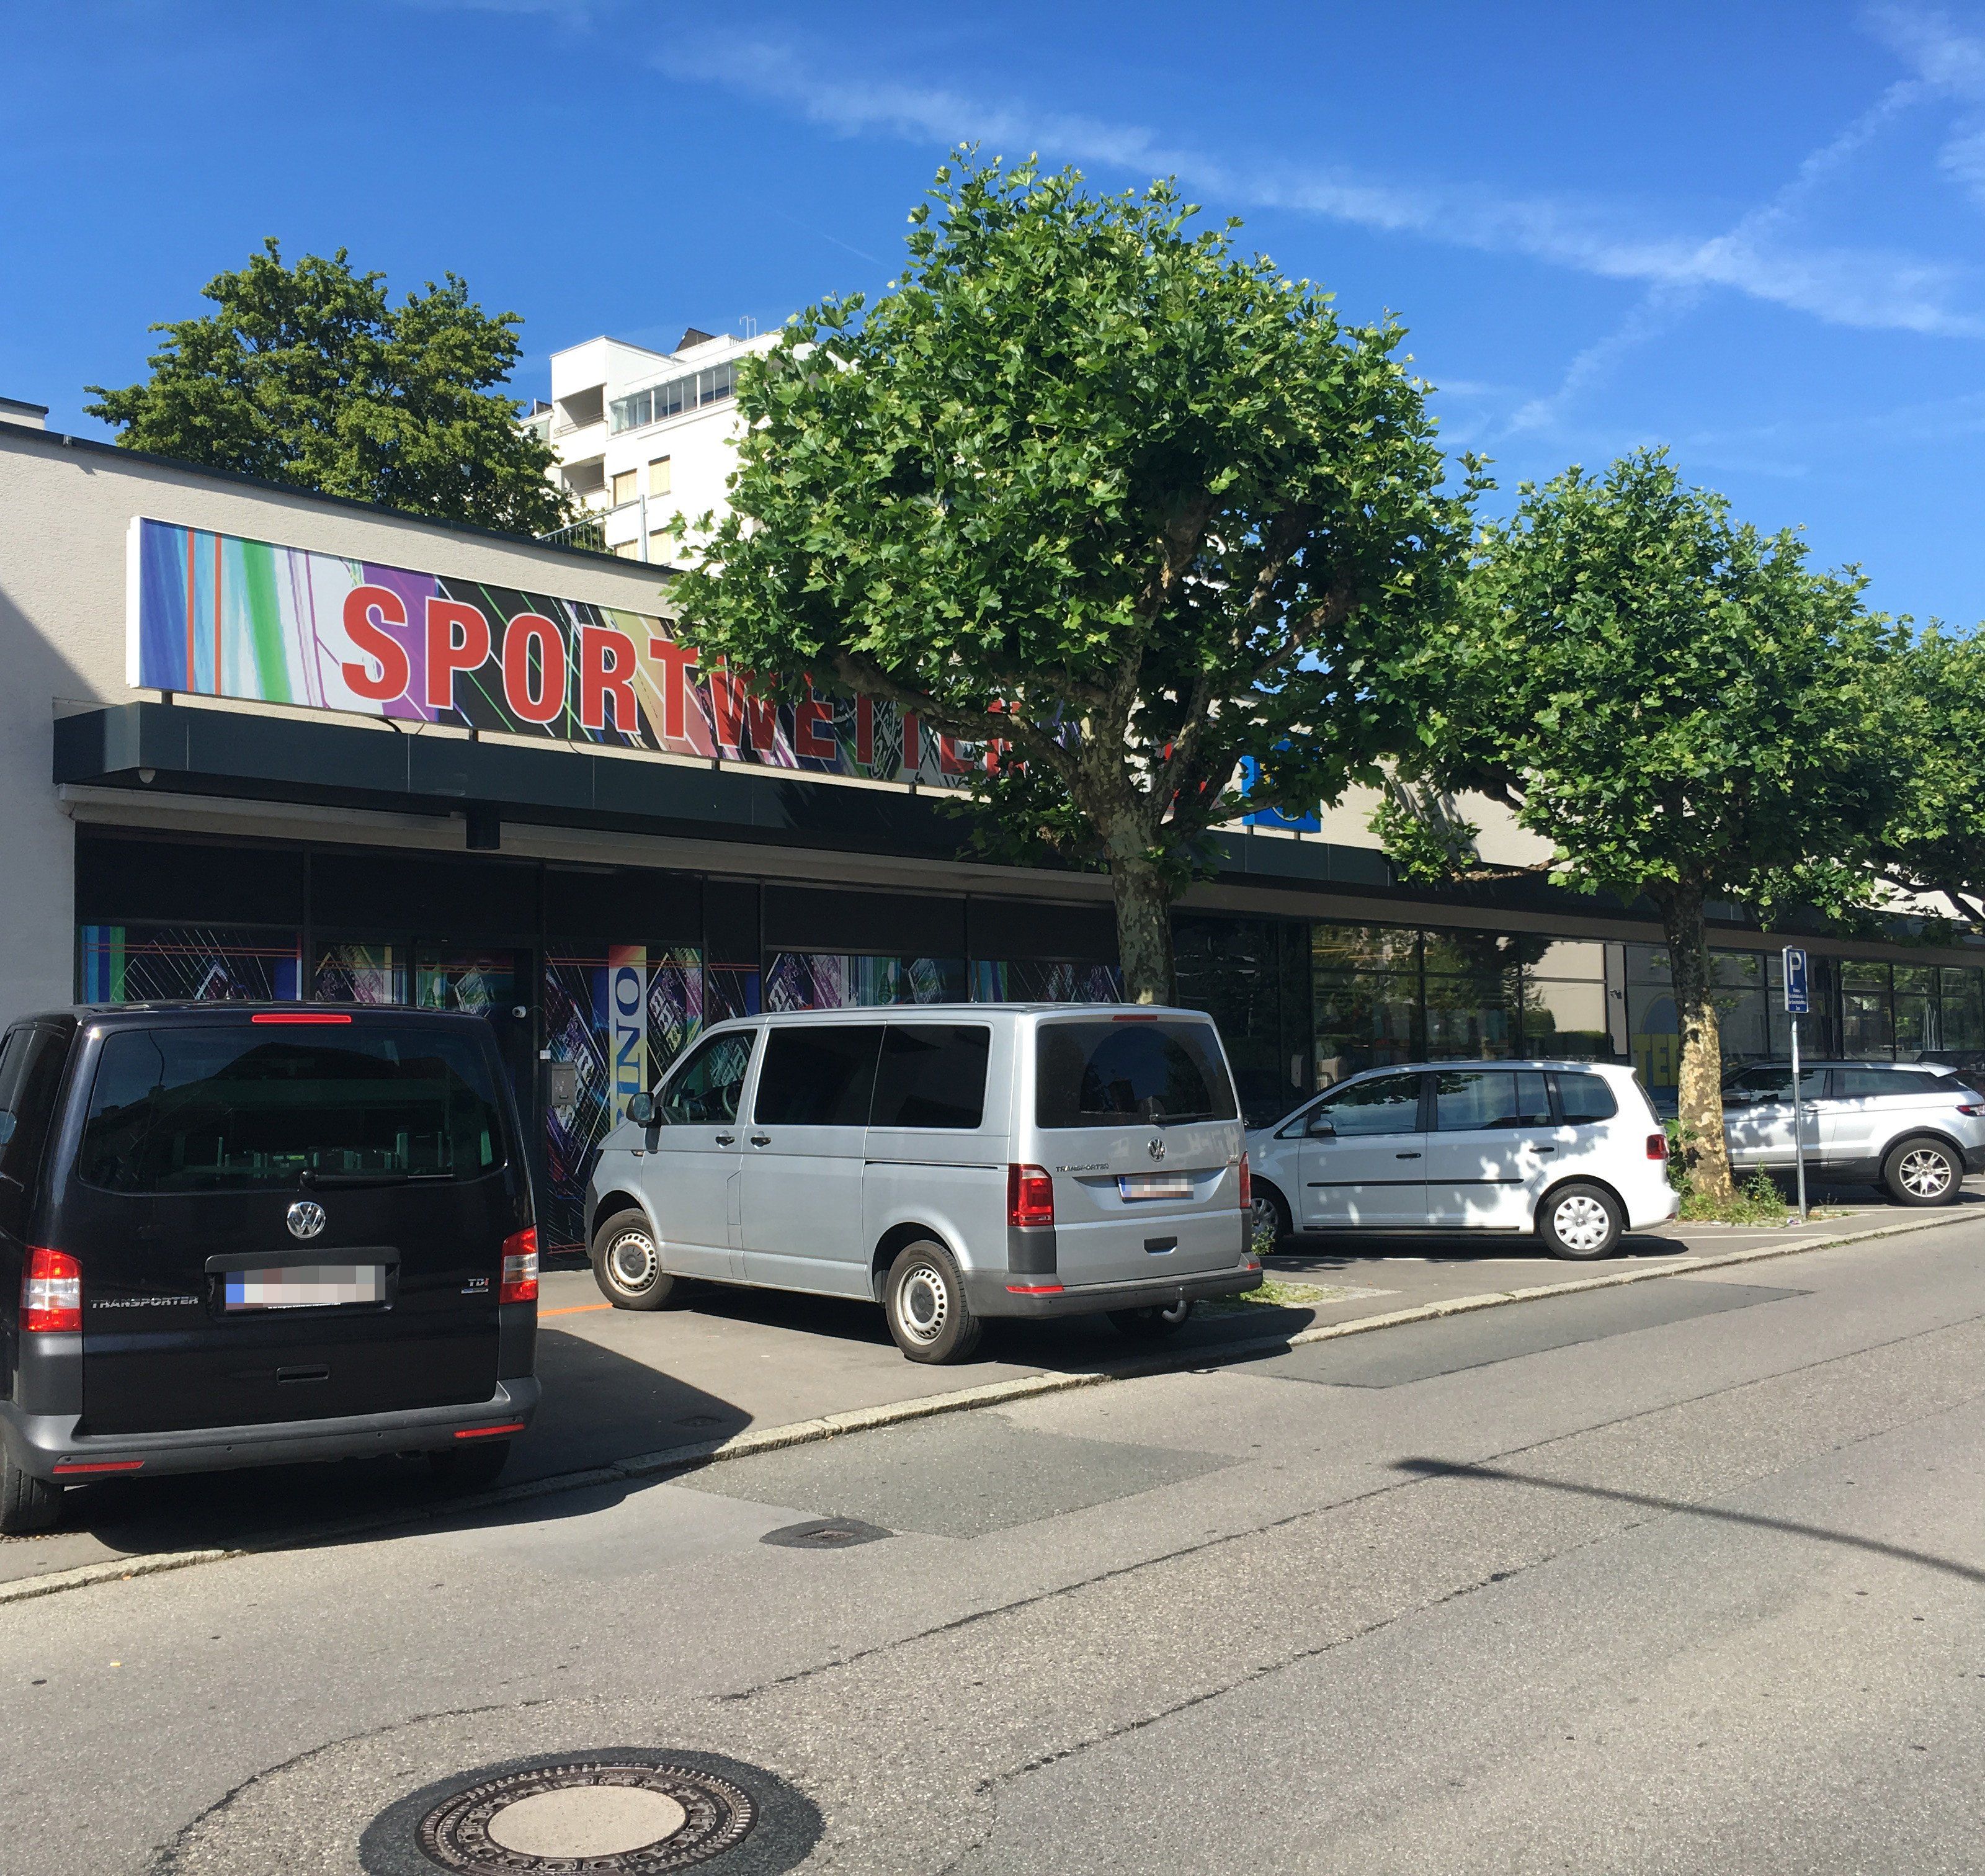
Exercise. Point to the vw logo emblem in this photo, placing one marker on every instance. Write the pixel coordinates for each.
(1156, 1149)
(305, 1219)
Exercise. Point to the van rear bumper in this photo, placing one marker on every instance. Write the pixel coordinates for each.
(989, 1293)
(47, 1444)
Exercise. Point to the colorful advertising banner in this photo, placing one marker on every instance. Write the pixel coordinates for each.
(215, 615)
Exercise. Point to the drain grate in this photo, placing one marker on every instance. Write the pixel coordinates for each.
(611, 1816)
(824, 1534)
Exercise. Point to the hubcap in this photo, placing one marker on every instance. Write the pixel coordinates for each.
(633, 1263)
(1264, 1218)
(924, 1304)
(1925, 1173)
(1581, 1223)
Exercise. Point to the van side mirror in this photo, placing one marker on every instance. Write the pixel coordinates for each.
(641, 1110)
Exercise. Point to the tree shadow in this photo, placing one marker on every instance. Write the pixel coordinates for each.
(1444, 1468)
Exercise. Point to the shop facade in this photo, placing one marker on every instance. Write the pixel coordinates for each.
(262, 744)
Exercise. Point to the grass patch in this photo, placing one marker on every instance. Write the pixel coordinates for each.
(1277, 1295)
(1758, 1202)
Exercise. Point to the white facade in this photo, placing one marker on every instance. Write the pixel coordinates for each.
(642, 436)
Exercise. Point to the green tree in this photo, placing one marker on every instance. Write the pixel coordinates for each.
(309, 375)
(1932, 840)
(1087, 486)
(1681, 707)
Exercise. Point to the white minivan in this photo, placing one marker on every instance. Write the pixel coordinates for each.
(951, 1162)
(1571, 1150)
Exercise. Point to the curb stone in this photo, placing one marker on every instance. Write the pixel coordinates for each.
(923, 1406)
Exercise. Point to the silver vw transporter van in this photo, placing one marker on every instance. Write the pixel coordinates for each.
(951, 1162)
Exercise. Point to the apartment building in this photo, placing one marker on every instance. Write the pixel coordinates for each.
(644, 436)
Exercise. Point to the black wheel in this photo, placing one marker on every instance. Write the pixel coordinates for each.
(1163, 1320)
(1923, 1172)
(1270, 1217)
(473, 1465)
(1579, 1220)
(924, 1303)
(627, 1266)
(27, 1503)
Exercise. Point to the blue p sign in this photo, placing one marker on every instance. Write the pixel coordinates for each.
(1797, 1002)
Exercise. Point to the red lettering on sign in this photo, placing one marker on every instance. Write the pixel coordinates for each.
(676, 661)
(949, 762)
(761, 723)
(607, 670)
(913, 740)
(446, 654)
(374, 642)
(864, 731)
(527, 629)
(809, 739)
(727, 707)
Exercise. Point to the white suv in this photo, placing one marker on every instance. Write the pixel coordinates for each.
(1915, 1128)
(1569, 1151)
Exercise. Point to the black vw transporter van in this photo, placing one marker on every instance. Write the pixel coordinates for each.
(240, 1234)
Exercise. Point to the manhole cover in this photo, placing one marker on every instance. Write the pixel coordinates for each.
(602, 1815)
(824, 1533)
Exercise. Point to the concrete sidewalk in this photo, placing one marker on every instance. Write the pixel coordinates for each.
(619, 1384)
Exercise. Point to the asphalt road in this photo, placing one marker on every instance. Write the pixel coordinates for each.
(1682, 1576)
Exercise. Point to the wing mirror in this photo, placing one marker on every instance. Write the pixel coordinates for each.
(1322, 1128)
(641, 1110)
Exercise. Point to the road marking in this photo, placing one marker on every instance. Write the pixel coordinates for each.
(575, 1308)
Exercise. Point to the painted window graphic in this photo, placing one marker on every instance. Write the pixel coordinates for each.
(360, 974)
(614, 1021)
(217, 615)
(157, 963)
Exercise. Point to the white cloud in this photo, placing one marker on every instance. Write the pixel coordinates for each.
(1867, 287)
(1952, 62)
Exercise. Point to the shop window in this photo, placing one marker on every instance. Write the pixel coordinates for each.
(146, 963)
(1961, 1009)
(1566, 1020)
(360, 974)
(661, 477)
(1364, 947)
(1917, 1010)
(834, 980)
(1232, 969)
(1365, 1019)
(1029, 981)
(1472, 995)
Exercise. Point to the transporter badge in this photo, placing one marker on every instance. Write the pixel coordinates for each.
(1156, 1149)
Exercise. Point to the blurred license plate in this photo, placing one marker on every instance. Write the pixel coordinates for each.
(305, 1287)
(1155, 1184)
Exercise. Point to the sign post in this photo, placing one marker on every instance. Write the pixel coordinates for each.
(1797, 1003)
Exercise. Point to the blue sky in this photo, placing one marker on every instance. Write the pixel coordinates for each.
(1751, 233)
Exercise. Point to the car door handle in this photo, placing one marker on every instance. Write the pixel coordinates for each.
(1406, 1156)
(1536, 1149)
(727, 1139)
(761, 1139)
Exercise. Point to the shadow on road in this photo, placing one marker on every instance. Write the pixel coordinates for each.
(1443, 1468)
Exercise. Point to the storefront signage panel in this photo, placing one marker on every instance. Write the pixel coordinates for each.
(217, 615)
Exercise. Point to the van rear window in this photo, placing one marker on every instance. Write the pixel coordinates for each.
(1092, 1073)
(240, 1110)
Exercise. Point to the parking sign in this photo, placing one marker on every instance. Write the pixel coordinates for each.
(1796, 1003)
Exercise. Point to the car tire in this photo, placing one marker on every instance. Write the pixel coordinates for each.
(924, 1304)
(1154, 1324)
(1270, 1214)
(627, 1263)
(473, 1466)
(27, 1504)
(1922, 1172)
(1579, 1220)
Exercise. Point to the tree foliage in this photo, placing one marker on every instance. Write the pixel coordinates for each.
(309, 375)
(1682, 707)
(1090, 486)
(1932, 838)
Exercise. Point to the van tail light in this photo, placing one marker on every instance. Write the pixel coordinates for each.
(51, 1293)
(1247, 1186)
(1658, 1146)
(1030, 1195)
(315, 1016)
(520, 1267)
